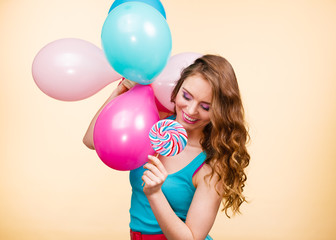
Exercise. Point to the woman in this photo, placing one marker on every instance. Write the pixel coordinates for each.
(178, 197)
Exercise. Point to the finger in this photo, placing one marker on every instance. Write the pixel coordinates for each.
(146, 181)
(154, 170)
(158, 164)
(153, 177)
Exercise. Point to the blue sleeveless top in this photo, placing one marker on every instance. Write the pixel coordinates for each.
(178, 189)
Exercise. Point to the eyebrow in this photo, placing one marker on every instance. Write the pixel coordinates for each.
(193, 96)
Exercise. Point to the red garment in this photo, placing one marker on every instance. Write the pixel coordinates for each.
(140, 236)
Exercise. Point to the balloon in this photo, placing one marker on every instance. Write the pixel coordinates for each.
(121, 131)
(137, 41)
(72, 69)
(164, 83)
(154, 3)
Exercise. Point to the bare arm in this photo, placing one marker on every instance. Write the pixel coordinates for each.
(88, 137)
(202, 211)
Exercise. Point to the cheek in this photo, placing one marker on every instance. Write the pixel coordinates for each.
(206, 117)
(180, 102)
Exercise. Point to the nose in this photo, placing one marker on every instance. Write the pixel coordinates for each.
(192, 108)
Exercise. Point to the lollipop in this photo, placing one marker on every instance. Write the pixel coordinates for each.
(168, 137)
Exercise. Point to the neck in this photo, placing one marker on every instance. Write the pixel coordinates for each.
(194, 138)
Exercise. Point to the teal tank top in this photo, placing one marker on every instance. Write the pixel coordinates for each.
(178, 189)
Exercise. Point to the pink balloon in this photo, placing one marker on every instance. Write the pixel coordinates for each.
(121, 131)
(72, 69)
(166, 81)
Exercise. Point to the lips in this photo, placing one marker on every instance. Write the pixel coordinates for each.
(188, 119)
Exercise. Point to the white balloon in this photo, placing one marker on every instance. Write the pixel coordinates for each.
(72, 69)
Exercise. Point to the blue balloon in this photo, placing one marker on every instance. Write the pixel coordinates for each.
(154, 3)
(137, 42)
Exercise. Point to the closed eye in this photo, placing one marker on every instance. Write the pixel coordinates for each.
(206, 107)
(186, 96)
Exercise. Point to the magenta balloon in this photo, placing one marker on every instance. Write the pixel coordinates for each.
(166, 81)
(121, 131)
(72, 69)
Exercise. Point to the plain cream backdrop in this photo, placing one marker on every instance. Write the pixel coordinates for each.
(284, 55)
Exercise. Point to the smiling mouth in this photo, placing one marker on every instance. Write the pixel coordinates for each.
(188, 119)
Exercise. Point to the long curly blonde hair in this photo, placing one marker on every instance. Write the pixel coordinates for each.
(225, 137)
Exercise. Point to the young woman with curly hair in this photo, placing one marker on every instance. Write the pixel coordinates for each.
(178, 197)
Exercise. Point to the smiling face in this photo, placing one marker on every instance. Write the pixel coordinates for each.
(193, 103)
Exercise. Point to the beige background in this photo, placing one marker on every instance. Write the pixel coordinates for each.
(284, 54)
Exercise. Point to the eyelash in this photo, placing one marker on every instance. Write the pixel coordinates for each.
(205, 108)
(185, 96)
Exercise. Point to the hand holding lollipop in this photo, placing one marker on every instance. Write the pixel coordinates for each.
(168, 137)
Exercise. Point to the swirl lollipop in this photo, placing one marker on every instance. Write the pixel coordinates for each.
(168, 137)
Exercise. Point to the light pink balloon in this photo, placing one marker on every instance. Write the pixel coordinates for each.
(166, 81)
(121, 131)
(72, 69)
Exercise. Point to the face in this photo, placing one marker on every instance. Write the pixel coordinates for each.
(193, 103)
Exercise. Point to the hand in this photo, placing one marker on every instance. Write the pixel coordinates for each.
(154, 177)
(128, 83)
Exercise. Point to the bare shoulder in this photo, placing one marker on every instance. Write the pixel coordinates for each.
(205, 176)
